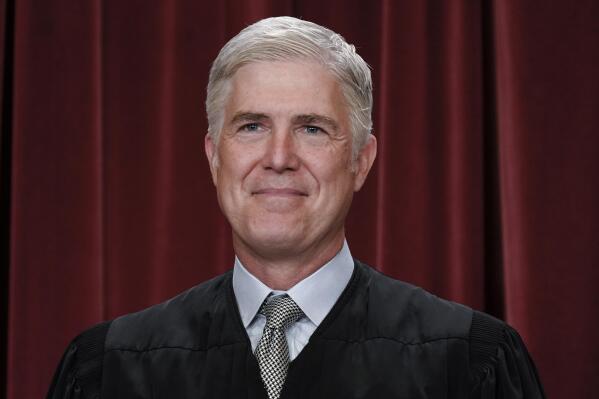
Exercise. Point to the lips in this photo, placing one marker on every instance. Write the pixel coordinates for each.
(282, 192)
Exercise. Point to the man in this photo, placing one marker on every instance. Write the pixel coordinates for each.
(289, 109)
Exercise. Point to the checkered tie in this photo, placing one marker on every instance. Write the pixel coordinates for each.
(272, 351)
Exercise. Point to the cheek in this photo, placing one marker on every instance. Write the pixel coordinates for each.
(331, 163)
(234, 164)
(335, 179)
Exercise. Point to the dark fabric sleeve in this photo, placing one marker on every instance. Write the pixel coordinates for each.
(501, 367)
(79, 374)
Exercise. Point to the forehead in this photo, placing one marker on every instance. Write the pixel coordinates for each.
(286, 87)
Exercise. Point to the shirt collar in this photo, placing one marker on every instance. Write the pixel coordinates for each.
(315, 295)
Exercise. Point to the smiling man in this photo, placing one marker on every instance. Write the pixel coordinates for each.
(289, 108)
(283, 167)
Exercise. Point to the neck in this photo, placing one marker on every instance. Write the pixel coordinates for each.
(281, 272)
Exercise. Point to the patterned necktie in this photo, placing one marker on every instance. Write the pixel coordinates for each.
(272, 351)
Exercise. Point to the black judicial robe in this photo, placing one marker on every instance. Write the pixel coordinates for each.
(382, 339)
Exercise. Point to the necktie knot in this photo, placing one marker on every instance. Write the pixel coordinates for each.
(280, 311)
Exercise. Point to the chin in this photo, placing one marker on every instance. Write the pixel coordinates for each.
(275, 240)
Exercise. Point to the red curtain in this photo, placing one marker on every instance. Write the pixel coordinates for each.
(485, 189)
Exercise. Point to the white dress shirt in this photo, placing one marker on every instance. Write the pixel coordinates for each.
(315, 295)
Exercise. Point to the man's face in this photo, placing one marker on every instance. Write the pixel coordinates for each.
(282, 167)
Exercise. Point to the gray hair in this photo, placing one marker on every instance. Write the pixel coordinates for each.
(288, 38)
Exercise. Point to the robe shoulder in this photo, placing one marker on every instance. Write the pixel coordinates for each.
(79, 373)
(177, 322)
(501, 366)
(185, 321)
(396, 310)
(498, 363)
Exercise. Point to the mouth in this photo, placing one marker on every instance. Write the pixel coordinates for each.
(280, 192)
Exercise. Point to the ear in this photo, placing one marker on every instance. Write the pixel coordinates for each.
(212, 155)
(364, 161)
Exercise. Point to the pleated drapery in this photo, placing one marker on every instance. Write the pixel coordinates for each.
(484, 191)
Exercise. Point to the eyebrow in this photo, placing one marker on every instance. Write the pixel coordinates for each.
(248, 117)
(308, 119)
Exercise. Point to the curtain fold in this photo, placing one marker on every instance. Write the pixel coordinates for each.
(484, 191)
(56, 229)
(548, 97)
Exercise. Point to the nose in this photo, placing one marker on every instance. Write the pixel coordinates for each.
(281, 152)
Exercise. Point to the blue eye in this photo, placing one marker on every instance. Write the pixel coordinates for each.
(250, 127)
(312, 129)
